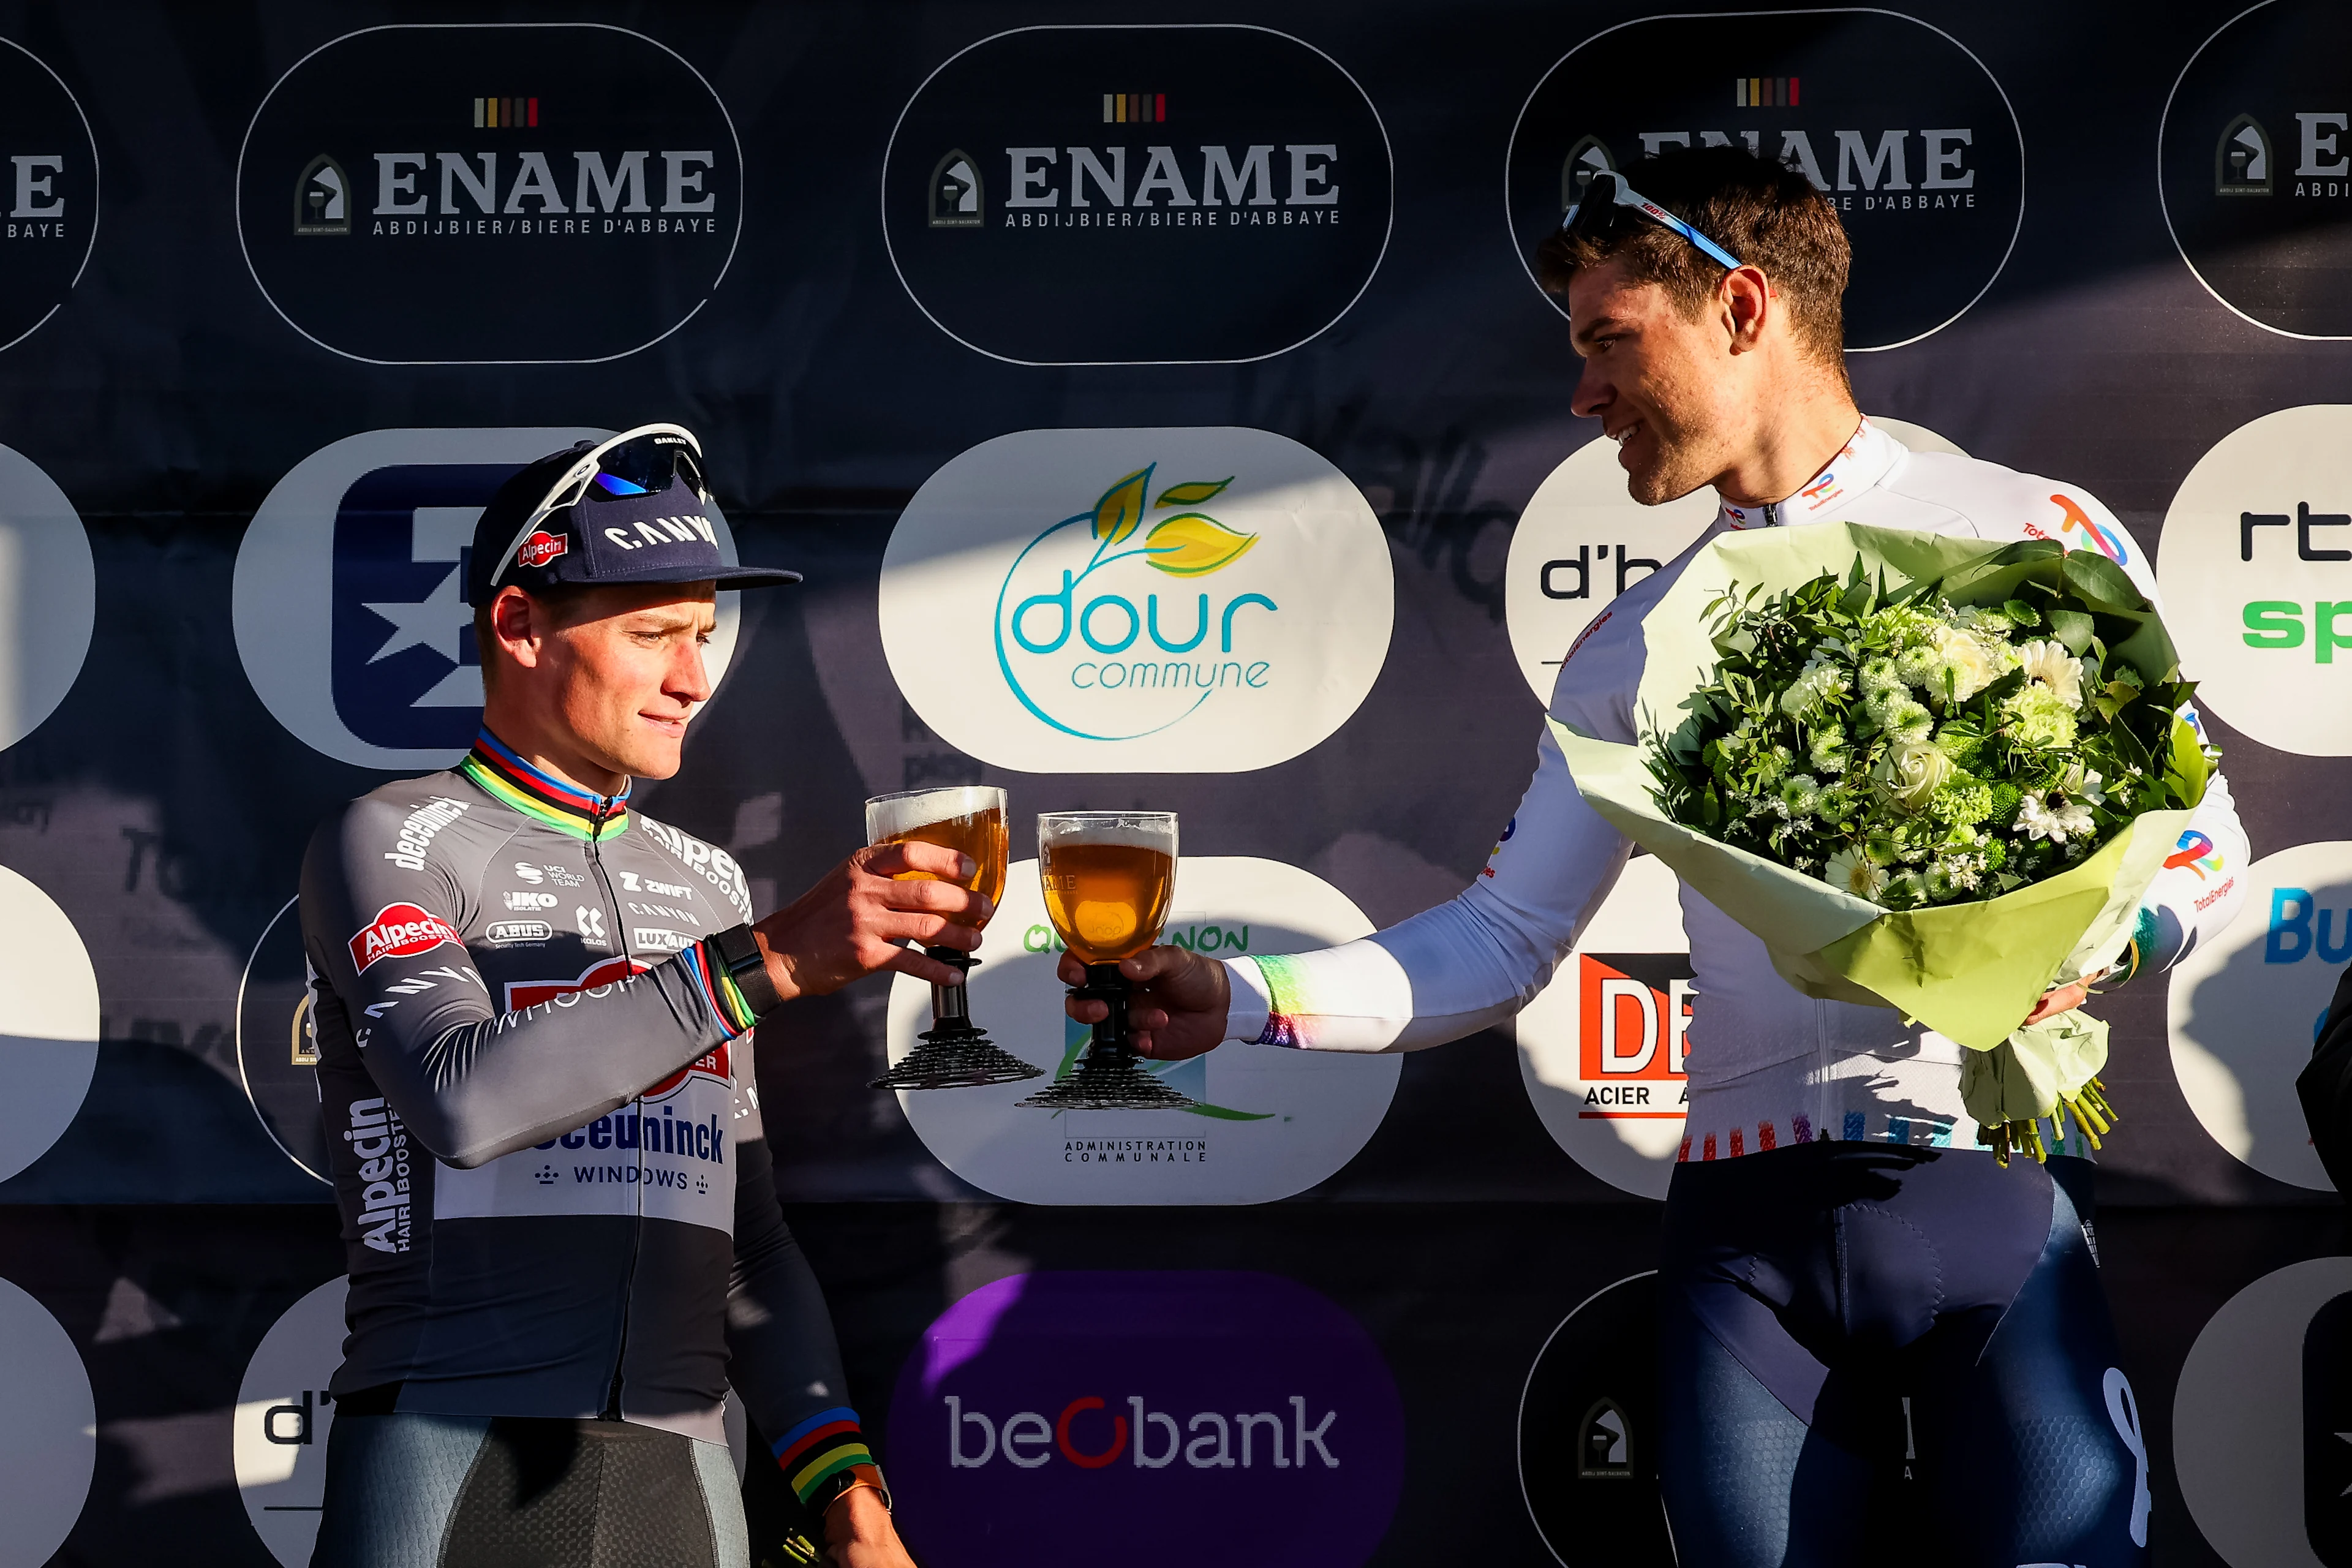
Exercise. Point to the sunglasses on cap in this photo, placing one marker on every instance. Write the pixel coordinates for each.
(1597, 214)
(646, 460)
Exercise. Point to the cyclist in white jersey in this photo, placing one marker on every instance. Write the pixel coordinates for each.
(1707, 314)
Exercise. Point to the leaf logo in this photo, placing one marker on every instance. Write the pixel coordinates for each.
(1196, 492)
(1193, 546)
(1120, 510)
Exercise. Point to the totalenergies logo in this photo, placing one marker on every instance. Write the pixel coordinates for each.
(1093, 661)
(2197, 853)
(2093, 534)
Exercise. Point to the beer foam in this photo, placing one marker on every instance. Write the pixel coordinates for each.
(1128, 835)
(893, 815)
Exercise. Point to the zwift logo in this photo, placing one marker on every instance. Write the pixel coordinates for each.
(1075, 650)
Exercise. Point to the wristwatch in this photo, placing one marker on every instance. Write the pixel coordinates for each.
(737, 952)
(830, 1489)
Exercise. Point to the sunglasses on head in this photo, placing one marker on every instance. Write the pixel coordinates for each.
(1607, 197)
(643, 461)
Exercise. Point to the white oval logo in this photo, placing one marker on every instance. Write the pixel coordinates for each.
(1601, 1048)
(349, 597)
(2256, 570)
(2246, 1004)
(1269, 1122)
(48, 1431)
(1194, 600)
(48, 595)
(49, 1021)
(1582, 541)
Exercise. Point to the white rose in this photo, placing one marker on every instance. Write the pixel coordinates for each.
(1963, 657)
(1910, 775)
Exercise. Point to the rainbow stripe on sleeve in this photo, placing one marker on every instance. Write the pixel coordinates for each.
(1285, 983)
(824, 1445)
(719, 989)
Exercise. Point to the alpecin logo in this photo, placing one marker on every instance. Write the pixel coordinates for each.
(543, 547)
(1084, 635)
(400, 930)
(433, 226)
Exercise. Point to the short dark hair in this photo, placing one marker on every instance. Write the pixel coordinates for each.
(1762, 211)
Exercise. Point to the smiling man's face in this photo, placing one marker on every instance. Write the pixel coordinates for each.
(624, 672)
(1667, 389)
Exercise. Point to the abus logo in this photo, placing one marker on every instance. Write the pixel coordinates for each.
(1102, 1398)
(1119, 600)
(2245, 1005)
(1602, 1047)
(400, 930)
(1897, 122)
(1582, 541)
(49, 183)
(346, 599)
(431, 226)
(2256, 572)
(1269, 1122)
(1039, 219)
(2260, 110)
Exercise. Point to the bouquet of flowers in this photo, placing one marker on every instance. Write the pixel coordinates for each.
(1928, 772)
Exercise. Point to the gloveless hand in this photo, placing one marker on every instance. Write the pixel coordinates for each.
(859, 1533)
(1178, 1006)
(850, 924)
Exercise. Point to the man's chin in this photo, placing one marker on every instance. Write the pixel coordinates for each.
(654, 756)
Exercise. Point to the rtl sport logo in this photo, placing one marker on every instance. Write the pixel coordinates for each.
(393, 213)
(49, 186)
(2256, 166)
(1901, 126)
(1234, 206)
(1099, 1399)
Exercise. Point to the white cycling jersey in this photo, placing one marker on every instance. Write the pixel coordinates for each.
(1767, 1064)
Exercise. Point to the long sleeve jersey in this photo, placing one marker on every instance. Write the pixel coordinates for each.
(557, 1197)
(1767, 1064)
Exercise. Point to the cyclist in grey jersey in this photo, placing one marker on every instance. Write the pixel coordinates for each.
(533, 1006)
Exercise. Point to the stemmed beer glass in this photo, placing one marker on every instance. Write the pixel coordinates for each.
(955, 1053)
(1108, 878)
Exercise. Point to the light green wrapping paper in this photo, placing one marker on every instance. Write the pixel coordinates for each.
(1970, 971)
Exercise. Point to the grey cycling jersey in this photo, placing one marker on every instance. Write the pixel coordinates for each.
(557, 1199)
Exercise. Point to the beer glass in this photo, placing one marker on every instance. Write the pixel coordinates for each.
(1107, 878)
(954, 1052)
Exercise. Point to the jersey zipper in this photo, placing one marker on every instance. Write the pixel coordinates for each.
(612, 1411)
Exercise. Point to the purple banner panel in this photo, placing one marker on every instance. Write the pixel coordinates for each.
(1051, 1418)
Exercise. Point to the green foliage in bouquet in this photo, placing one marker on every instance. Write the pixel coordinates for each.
(1942, 742)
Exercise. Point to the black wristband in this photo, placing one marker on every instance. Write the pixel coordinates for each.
(739, 954)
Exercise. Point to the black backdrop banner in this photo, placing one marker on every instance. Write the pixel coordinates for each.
(961, 298)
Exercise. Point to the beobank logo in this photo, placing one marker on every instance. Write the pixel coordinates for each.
(1265, 1121)
(2245, 1005)
(1582, 541)
(2256, 565)
(1098, 1400)
(393, 215)
(400, 930)
(1192, 193)
(349, 597)
(2255, 166)
(1602, 1047)
(1899, 124)
(1191, 600)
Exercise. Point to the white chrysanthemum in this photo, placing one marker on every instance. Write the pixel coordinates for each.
(2033, 819)
(2037, 819)
(1800, 795)
(1880, 677)
(2049, 663)
(2074, 821)
(1907, 721)
(1819, 682)
(1851, 871)
(1827, 753)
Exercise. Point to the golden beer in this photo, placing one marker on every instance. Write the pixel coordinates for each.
(966, 818)
(1108, 885)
